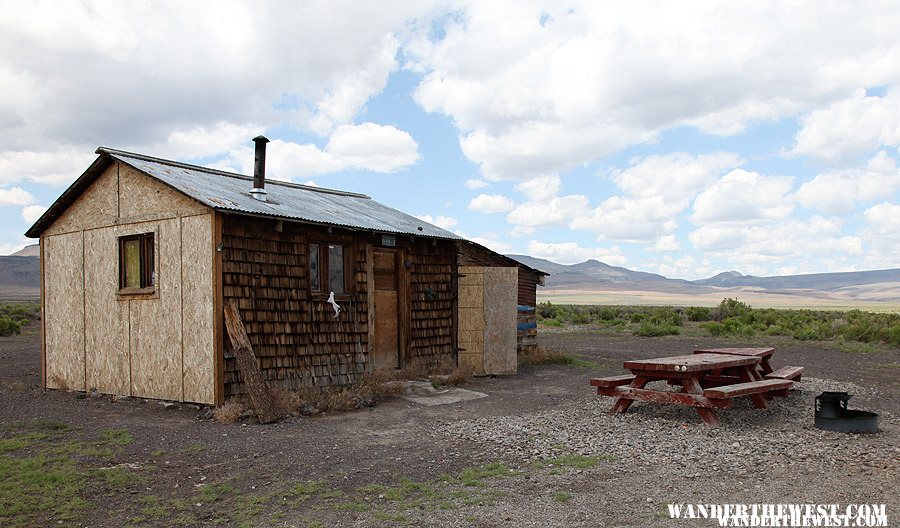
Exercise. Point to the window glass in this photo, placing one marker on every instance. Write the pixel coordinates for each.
(136, 262)
(148, 269)
(132, 263)
(336, 268)
(314, 268)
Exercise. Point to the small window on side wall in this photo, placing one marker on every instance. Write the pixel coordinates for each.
(136, 263)
(327, 268)
(315, 283)
(336, 281)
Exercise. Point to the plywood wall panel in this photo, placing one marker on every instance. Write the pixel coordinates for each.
(155, 324)
(97, 206)
(500, 295)
(64, 311)
(197, 309)
(140, 195)
(470, 319)
(106, 317)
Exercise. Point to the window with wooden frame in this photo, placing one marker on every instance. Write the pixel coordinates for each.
(137, 263)
(329, 268)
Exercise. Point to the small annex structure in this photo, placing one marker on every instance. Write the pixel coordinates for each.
(140, 255)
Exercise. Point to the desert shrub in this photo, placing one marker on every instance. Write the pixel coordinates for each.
(697, 313)
(581, 318)
(647, 329)
(551, 322)
(546, 310)
(731, 308)
(9, 326)
(665, 315)
(637, 317)
(714, 328)
(228, 413)
(21, 311)
(607, 314)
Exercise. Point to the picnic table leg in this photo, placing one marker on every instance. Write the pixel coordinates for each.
(749, 374)
(622, 404)
(692, 386)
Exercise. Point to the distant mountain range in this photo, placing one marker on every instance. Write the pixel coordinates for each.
(34, 250)
(20, 274)
(595, 276)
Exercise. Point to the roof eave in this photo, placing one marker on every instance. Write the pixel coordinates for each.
(68, 197)
(239, 212)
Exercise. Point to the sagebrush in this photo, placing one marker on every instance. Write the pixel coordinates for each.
(735, 318)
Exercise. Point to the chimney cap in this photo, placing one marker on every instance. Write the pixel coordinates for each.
(259, 138)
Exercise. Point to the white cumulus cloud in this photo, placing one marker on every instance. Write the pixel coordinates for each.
(52, 167)
(556, 211)
(444, 222)
(743, 196)
(31, 213)
(491, 203)
(840, 191)
(612, 75)
(476, 184)
(368, 146)
(15, 196)
(850, 127)
(676, 177)
(628, 219)
(572, 253)
(793, 239)
(666, 243)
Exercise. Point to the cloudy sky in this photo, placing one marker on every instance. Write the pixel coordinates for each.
(674, 137)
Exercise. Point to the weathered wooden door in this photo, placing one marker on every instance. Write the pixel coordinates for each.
(386, 348)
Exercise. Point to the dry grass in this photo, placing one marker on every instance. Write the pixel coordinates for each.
(414, 370)
(540, 355)
(228, 413)
(371, 389)
(367, 392)
(16, 386)
(456, 377)
(60, 383)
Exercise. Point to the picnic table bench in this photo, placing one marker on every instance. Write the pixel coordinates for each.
(700, 376)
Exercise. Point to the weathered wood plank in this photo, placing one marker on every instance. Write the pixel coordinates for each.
(744, 389)
(655, 396)
(255, 384)
(691, 363)
(787, 373)
(612, 381)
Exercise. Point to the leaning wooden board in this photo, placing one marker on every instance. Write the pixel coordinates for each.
(260, 395)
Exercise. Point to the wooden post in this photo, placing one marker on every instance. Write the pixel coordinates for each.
(260, 395)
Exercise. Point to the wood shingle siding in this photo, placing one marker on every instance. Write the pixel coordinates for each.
(432, 303)
(295, 336)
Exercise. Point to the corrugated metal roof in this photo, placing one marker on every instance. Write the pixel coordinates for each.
(226, 191)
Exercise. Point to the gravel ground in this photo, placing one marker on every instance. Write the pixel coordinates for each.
(646, 458)
(658, 454)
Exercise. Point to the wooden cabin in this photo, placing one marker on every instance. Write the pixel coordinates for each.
(140, 255)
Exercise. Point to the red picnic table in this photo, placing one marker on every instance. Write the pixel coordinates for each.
(702, 382)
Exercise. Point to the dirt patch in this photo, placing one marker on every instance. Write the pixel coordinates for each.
(471, 463)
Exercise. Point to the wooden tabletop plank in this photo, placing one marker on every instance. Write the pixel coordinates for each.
(756, 352)
(691, 362)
